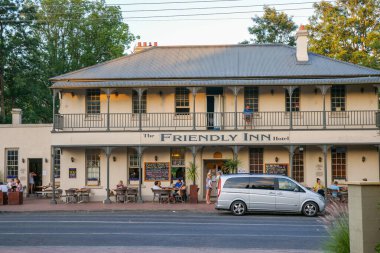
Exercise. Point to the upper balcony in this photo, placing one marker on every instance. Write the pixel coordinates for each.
(358, 119)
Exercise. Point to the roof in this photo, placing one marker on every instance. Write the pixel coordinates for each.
(224, 62)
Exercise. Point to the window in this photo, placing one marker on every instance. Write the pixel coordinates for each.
(237, 182)
(338, 163)
(295, 100)
(256, 160)
(135, 102)
(12, 163)
(338, 98)
(262, 183)
(287, 185)
(182, 104)
(298, 168)
(93, 101)
(177, 156)
(251, 98)
(93, 167)
(133, 168)
(57, 163)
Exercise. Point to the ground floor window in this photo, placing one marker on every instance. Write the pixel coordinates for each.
(12, 163)
(256, 160)
(298, 166)
(177, 157)
(338, 163)
(57, 163)
(134, 167)
(93, 167)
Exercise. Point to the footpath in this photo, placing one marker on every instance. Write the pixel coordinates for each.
(43, 205)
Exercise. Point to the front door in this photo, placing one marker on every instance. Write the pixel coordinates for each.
(212, 166)
(35, 165)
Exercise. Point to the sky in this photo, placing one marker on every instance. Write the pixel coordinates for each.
(204, 29)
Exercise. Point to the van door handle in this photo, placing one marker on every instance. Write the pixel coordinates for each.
(272, 193)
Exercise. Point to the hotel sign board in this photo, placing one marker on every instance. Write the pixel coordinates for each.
(215, 138)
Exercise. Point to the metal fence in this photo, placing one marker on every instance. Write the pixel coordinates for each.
(215, 121)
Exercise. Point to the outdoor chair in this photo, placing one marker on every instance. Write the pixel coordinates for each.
(131, 195)
(120, 195)
(70, 196)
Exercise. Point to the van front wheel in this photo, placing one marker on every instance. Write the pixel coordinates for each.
(238, 208)
(310, 209)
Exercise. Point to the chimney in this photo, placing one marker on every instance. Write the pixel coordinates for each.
(16, 116)
(301, 47)
(144, 45)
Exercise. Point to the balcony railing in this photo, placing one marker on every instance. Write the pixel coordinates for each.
(216, 121)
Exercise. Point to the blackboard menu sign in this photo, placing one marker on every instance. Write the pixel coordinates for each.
(157, 171)
(276, 168)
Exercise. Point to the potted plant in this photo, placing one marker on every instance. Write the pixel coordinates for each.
(192, 174)
(231, 166)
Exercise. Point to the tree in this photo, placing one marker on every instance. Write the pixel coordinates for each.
(347, 30)
(272, 27)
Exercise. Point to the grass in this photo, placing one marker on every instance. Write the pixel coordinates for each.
(336, 220)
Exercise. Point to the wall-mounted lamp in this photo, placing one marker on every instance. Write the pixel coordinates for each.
(156, 158)
(114, 158)
(320, 159)
(160, 93)
(23, 160)
(363, 159)
(72, 159)
(300, 148)
(276, 159)
(362, 89)
(316, 91)
(72, 94)
(46, 160)
(272, 91)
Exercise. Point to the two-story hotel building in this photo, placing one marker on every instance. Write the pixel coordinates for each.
(145, 116)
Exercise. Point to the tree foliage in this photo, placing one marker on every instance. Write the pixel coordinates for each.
(347, 30)
(42, 39)
(272, 27)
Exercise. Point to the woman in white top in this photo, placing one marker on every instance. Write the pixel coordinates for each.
(31, 181)
(208, 188)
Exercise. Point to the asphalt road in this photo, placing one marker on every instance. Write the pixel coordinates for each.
(162, 230)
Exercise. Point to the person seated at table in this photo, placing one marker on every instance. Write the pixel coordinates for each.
(3, 187)
(335, 190)
(178, 184)
(318, 187)
(18, 186)
(120, 185)
(157, 185)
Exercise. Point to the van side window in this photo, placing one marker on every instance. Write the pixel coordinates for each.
(262, 183)
(237, 182)
(287, 185)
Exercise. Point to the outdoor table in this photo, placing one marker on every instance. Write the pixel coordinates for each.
(120, 194)
(15, 198)
(83, 195)
(3, 198)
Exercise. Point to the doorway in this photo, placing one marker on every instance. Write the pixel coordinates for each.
(214, 107)
(35, 165)
(211, 166)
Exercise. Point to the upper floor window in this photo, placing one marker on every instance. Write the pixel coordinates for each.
(338, 98)
(338, 163)
(295, 100)
(93, 167)
(251, 98)
(12, 163)
(93, 101)
(135, 102)
(182, 104)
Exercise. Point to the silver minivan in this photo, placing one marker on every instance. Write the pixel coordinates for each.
(240, 193)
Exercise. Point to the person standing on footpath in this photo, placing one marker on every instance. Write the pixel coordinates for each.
(208, 188)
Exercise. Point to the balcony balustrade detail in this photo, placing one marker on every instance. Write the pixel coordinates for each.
(216, 121)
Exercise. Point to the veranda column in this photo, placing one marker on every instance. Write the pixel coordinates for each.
(324, 89)
(291, 157)
(140, 151)
(55, 92)
(194, 91)
(52, 174)
(290, 90)
(235, 90)
(108, 151)
(325, 149)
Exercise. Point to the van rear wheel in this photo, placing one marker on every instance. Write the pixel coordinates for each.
(310, 209)
(238, 208)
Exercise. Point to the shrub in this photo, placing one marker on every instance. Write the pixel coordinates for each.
(336, 220)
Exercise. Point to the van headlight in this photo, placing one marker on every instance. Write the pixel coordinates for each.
(321, 198)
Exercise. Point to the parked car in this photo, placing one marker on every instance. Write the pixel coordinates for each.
(241, 193)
